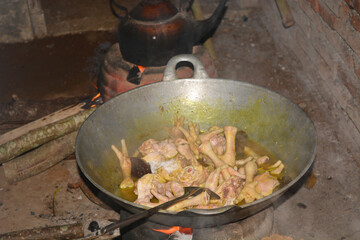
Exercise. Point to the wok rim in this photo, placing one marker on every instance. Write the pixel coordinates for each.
(223, 209)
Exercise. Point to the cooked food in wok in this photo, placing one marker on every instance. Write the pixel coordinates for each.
(222, 159)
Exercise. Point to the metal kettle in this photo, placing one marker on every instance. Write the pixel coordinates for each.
(155, 30)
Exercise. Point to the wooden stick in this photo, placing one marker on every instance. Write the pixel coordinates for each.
(67, 231)
(51, 118)
(40, 159)
(39, 136)
(287, 18)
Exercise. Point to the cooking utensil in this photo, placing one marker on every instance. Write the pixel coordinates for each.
(189, 192)
(148, 111)
(139, 167)
(154, 31)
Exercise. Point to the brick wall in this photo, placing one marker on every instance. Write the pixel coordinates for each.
(326, 39)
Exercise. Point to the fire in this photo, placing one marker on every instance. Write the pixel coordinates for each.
(141, 68)
(173, 229)
(95, 97)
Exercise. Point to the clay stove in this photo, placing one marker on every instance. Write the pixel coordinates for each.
(115, 76)
(256, 226)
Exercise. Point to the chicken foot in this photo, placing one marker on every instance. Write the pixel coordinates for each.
(125, 164)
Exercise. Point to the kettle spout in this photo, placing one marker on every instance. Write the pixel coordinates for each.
(204, 28)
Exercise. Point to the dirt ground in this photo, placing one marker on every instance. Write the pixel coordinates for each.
(245, 51)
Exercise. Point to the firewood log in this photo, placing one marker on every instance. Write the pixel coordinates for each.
(40, 159)
(39, 136)
(41, 122)
(67, 231)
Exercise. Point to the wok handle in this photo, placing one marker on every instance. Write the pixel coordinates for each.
(170, 70)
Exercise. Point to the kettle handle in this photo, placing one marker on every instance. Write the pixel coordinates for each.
(170, 70)
(114, 3)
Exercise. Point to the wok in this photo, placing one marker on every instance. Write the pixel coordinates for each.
(145, 112)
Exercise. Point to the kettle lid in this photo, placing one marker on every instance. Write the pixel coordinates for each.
(153, 10)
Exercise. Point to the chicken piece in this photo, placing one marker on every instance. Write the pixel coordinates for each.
(192, 142)
(159, 187)
(250, 171)
(201, 199)
(160, 197)
(229, 190)
(177, 189)
(262, 160)
(175, 132)
(214, 131)
(221, 179)
(233, 172)
(143, 188)
(250, 152)
(218, 144)
(243, 161)
(163, 173)
(183, 148)
(154, 159)
(162, 191)
(166, 147)
(242, 171)
(229, 156)
(194, 131)
(212, 181)
(191, 175)
(125, 164)
(276, 168)
(224, 172)
(149, 204)
(168, 190)
(248, 193)
(265, 183)
(206, 149)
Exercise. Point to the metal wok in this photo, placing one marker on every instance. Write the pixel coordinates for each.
(145, 112)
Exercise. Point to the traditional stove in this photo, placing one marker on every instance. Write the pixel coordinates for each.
(118, 75)
(149, 35)
(254, 227)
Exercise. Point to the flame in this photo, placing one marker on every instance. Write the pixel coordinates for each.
(141, 68)
(95, 97)
(173, 229)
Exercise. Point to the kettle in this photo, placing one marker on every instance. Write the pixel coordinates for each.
(155, 30)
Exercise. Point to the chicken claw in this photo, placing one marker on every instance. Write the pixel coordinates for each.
(125, 164)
